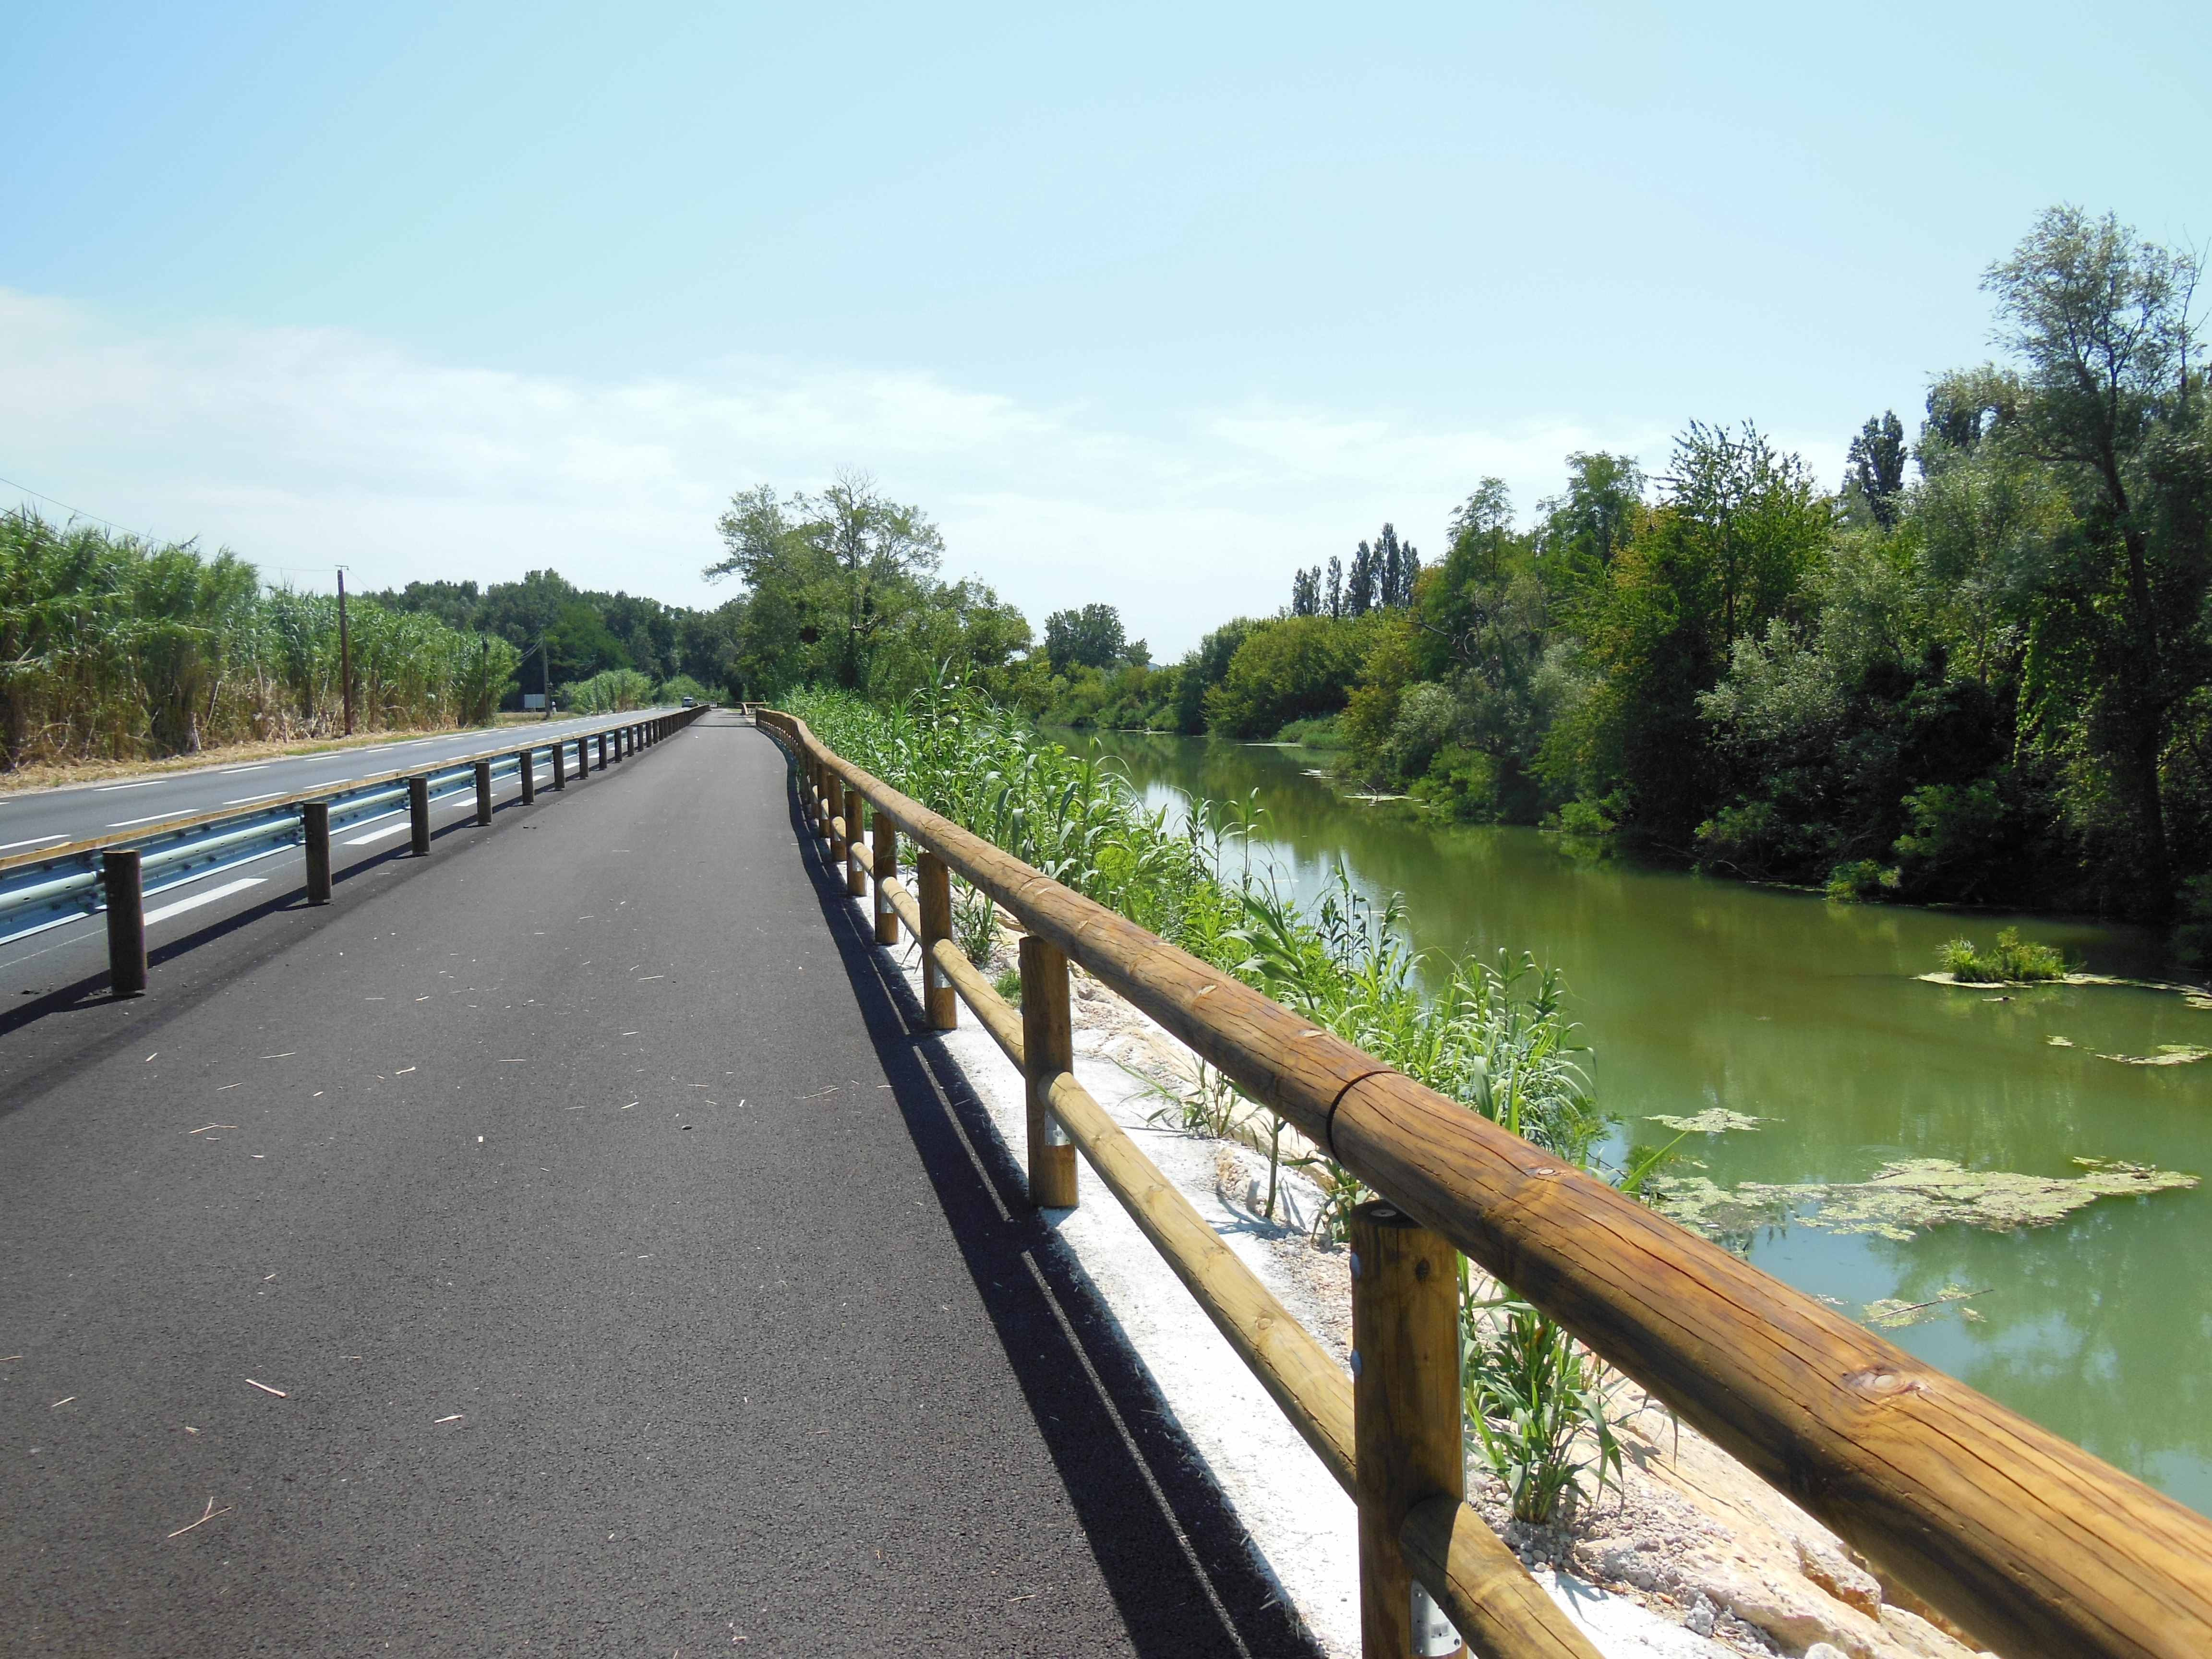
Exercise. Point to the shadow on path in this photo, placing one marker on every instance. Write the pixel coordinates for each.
(1184, 1576)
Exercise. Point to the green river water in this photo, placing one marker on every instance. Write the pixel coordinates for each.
(1695, 993)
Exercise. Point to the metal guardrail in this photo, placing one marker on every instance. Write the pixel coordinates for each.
(60, 884)
(2026, 1540)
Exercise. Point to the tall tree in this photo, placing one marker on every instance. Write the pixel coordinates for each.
(1305, 592)
(1578, 532)
(2100, 321)
(1089, 638)
(1333, 593)
(1874, 469)
(1360, 588)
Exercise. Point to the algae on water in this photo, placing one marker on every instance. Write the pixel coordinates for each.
(1906, 1197)
(1713, 1121)
(1890, 1313)
(2169, 1054)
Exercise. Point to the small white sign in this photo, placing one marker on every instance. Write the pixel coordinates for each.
(534, 699)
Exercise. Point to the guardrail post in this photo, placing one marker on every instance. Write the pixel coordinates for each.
(1047, 1049)
(559, 766)
(484, 792)
(120, 875)
(934, 879)
(315, 831)
(886, 847)
(583, 756)
(1406, 1422)
(603, 751)
(529, 775)
(856, 878)
(837, 808)
(418, 814)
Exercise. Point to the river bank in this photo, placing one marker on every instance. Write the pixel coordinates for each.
(1812, 1020)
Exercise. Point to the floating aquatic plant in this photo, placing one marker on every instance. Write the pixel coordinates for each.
(1714, 1120)
(1907, 1197)
(2169, 1054)
(1890, 1313)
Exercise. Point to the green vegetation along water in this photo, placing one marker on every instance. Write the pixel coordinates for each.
(1696, 994)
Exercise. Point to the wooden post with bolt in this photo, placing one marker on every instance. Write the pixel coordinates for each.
(123, 878)
(418, 815)
(886, 849)
(315, 832)
(528, 772)
(1047, 1049)
(1407, 1418)
(934, 877)
(484, 792)
(835, 810)
(856, 844)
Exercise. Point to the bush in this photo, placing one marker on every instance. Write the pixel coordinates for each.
(1287, 669)
(607, 693)
(678, 687)
(2193, 936)
(2014, 961)
(1536, 1402)
(1324, 732)
(1589, 817)
(1861, 880)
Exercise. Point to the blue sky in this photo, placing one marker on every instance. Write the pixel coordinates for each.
(1148, 305)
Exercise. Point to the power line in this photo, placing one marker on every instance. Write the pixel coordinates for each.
(55, 501)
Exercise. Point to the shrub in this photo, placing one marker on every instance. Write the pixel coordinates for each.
(2014, 961)
(1536, 1402)
(1587, 817)
(1859, 881)
(1323, 731)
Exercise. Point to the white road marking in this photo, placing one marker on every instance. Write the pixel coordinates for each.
(35, 841)
(378, 835)
(230, 771)
(329, 782)
(208, 897)
(150, 818)
(110, 789)
(243, 800)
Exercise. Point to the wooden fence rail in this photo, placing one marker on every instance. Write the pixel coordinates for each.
(2022, 1538)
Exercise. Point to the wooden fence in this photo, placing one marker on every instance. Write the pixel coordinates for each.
(2019, 1537)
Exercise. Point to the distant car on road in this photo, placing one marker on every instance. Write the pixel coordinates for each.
(691, 702)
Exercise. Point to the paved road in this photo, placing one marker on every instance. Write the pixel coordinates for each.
(32, 818)
(563, 1244)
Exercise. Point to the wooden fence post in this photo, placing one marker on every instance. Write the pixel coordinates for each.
(886, 848)
(1407, 1418)
(934, 877)
(583, 756)
(418, 815)
(123, 878)
(559, 766)
(315, 833)
(528, 772)
(856, 875)
(837, 809)
(484, 792)
(1047, 1049)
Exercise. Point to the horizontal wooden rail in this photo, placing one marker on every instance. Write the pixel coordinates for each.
(1312, 1389)
(2021, 1536)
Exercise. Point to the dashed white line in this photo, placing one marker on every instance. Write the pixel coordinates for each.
(208, 897)
(35, 841)
(244, 799)
(378, 835)
(150, 818)
(143, 783)
(231, 771)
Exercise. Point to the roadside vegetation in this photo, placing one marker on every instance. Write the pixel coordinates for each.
(1492, 1036)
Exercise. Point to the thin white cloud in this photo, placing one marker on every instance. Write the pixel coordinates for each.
(303, 449)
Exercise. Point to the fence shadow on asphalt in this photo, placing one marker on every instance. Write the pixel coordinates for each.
(1182, 1573)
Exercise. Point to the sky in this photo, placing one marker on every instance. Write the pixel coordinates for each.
(1146, 305)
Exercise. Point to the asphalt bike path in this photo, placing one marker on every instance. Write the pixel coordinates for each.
(572, 1244)
(32, 819)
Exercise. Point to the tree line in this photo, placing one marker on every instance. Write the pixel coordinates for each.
(1976, 669)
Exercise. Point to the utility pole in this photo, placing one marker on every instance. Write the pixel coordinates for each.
(545, 674)
(345, 653)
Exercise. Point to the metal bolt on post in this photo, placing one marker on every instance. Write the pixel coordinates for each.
(315, 831)
(120, 875)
